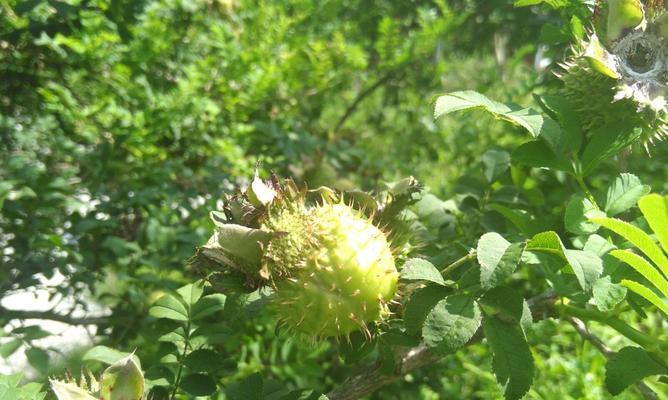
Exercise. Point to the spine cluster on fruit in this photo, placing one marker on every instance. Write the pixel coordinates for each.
(331, 268)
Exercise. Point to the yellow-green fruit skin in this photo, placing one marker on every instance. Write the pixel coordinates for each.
(346, 279)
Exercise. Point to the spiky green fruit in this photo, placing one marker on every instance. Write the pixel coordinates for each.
(342, 271)
(621, 79)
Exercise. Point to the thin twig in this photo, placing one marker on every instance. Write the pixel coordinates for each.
(361, 96)
(581, 329)
(456, 264)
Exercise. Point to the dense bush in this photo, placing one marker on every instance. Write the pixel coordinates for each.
(124, 123)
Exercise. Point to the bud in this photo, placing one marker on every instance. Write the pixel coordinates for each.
(123, 380)
(623, 15)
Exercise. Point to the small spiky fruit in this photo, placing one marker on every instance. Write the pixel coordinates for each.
(342, 276)
(619, 74)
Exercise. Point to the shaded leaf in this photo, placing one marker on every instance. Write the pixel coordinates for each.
(623, 194)
(208, 305)
(169, 307)
(513, 364)
(607, 294)
(198, 385)
(628, 366)
(579, 212)
(498, 259)
(451, 323)
(421, 302)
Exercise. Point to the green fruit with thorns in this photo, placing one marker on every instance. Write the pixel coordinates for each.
(339, 269)
(331, 269)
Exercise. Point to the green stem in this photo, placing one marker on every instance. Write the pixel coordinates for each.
(586, 190)
(587, 314)
(456, 264)
(177, 381)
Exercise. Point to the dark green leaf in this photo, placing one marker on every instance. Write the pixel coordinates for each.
(498, 259)
(208, 305)
(169, 307)
(38, 358)
(606, 142)
(8, 348)
(420, 304)
(495, 163)
(506, 304)
(628, 366)
(537, 154)
(513, 364)
(198, 384)
(451, 323)
(250, 388)
(203, 360)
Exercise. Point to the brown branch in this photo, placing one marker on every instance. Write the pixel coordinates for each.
(417, 357)
(582, 330)
(7, 315)
(367, 382)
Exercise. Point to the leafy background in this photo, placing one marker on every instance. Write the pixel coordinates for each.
(122, 123)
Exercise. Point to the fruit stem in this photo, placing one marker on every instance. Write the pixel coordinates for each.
(456, 264)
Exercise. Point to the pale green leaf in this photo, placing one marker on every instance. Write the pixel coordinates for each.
(578, 213)
(535, 123)
(586, 266)
(647, 294)
(645, 269)
(607, 294)
(419, 269)
(638, 238)
(623, 194)
(208, 305)
(192, 292)
(655, 209)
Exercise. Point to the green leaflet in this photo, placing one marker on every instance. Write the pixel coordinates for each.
(643, 266)
(513, 364)
(628, 366)
(639, 238)
(655, 209)
(647, 294)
